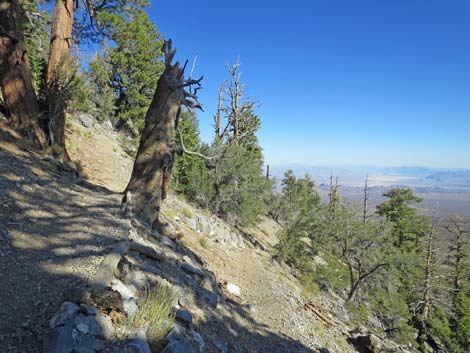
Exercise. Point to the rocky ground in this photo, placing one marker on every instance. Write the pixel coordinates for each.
(56, 230)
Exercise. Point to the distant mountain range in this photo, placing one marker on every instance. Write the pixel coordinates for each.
(419, 177)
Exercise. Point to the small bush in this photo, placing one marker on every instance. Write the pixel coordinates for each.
(170, 214)
(204, 243)
(310, 288)
(358, 311)
(188, 213)
(155, 312)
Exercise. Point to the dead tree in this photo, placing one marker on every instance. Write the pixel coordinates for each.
(458, 250)
(366, 201)
(233, 120)
(15, 75)
(58, 69)
(429, 267)
(333, 196)
(157, 149)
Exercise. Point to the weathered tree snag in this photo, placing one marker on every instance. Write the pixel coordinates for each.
(458, 250)
(365, 207)
(15, 75)
(58, 68)
(157, 148)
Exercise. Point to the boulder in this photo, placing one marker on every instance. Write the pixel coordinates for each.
(138, 344)
(66, 313)
(183, 316)
(86, 120)
(126, 291)
(179, 341)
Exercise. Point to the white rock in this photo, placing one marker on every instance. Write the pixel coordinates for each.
(234, 289)
(127, 292)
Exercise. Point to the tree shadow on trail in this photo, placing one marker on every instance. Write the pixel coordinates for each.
(53, 234)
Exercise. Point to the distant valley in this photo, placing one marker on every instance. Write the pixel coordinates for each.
(446, 189)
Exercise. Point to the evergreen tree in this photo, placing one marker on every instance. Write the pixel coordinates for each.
(408, 226)
(136, 66)
(301, 217)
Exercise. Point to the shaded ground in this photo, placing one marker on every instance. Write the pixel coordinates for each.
(53, 234)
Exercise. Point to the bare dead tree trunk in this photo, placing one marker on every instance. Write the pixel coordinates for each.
(157, 149)
(58, 69)
(429, 263)
(366, 200)
(218, 116)
(458, 231)
(268, 176)
(15, 75)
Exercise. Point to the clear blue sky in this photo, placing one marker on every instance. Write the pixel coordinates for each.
(350, 82)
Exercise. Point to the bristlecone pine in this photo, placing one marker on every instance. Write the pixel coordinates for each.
(157, 148)
(15, 75)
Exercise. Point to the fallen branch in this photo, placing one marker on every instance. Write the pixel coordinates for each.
(314, 308)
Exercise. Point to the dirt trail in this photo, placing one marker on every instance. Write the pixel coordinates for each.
(53, 235)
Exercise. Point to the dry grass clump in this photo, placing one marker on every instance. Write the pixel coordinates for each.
(155, 312)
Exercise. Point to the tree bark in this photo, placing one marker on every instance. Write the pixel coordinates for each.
(15, 75)
(58, 68)
(157, 149)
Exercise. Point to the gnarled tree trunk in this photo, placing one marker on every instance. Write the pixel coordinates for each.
(15, 75)
(157, 149)
(58, 68)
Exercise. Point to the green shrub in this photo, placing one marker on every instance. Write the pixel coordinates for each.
(204, 243)
(187, 212)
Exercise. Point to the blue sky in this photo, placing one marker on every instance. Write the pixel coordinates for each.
(350, 82)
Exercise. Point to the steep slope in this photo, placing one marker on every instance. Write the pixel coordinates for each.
(57, 229)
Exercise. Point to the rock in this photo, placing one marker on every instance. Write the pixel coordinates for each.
(108, 267)
(82, 328)
(66, 313)
(233, 289)
(67, 339)
(88, 325)
(183, 316)
(198, 338)
(138, 279)
(130, 307)
(106, 325)
(191, 270)
(138, 344)
(323, 350)
(370, 344)
(179, 341)
(86, 120)
(88, 309)
(146, 248)
(126, 291)
(205, 226)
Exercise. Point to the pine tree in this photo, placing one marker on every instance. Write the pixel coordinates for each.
(408, 226)
(130, 69)
(190, 174)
